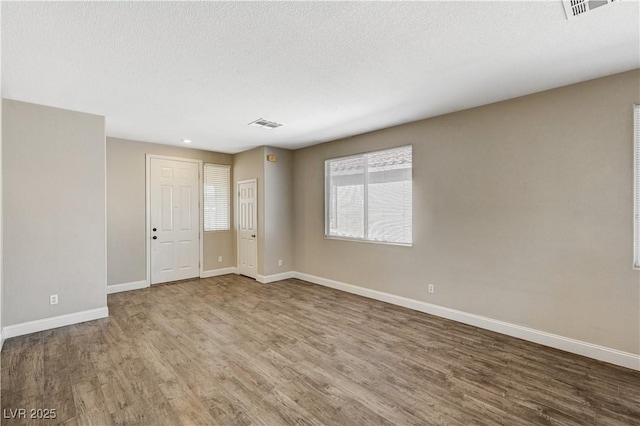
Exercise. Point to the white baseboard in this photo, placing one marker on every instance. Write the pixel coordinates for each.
(1, 339)
(217, 272)
(266, 279)
(135, 285)
(601, 353)
(54, 322)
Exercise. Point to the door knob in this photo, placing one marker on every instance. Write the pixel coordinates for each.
(155, 229)
(155, 238)
(253, 236)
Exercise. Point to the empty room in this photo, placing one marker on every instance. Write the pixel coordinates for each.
(320, 213)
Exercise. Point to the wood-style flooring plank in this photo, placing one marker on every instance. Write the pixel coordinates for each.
(230, 351)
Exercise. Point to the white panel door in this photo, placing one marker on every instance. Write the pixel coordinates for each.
(174, 220)
(247, 228)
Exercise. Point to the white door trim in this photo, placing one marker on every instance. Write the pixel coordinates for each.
(236, 197)
(147, 232)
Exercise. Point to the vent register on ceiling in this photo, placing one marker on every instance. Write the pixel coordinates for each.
(266, 124)
(575, 8)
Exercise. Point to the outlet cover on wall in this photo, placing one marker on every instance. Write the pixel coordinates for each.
(280, 262)
(219, 258)
(53, 299)
(431, 288)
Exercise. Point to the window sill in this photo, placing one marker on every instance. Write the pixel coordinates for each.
(358, 240)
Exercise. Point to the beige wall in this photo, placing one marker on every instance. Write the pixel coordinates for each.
(126, 214)
(275, 204)
(1, 239)
(54, 211)
(522, 213)
(250, 165)
(278, 207)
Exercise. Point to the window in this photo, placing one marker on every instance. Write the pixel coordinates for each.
(368, 196)
(636, 186)
(216, 197)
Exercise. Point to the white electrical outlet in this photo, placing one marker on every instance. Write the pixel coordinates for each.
(53, 299)
(280, 262)
(431, 288)
(219, 258)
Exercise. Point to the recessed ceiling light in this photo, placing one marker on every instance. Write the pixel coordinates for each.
(186, 140)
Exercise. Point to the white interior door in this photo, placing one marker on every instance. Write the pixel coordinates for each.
(174, 220)
(247, 228)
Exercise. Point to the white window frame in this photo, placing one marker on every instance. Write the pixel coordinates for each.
(327, 194)
(636, 186)
(228, 193)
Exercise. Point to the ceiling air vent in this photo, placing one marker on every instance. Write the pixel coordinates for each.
(265, 124)
(574, 8)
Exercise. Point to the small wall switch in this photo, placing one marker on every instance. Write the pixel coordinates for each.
(219, 258)
(431, 288)
(53, 299)
(280, 262)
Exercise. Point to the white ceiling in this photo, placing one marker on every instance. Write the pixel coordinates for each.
(163, 71)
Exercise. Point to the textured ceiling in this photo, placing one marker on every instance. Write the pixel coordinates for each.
(164, 71)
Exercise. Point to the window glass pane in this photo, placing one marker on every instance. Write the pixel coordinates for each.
(346, 197)
(636, 200)
(389, 195)
(216, 197)
(369, 196)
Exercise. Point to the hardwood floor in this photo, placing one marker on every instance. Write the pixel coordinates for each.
(228, 350)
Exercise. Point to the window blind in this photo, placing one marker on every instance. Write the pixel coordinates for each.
(369, 196)
(636, 186)
(216, 197)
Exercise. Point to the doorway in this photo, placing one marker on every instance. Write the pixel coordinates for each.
(247, 228)
(173, 219)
